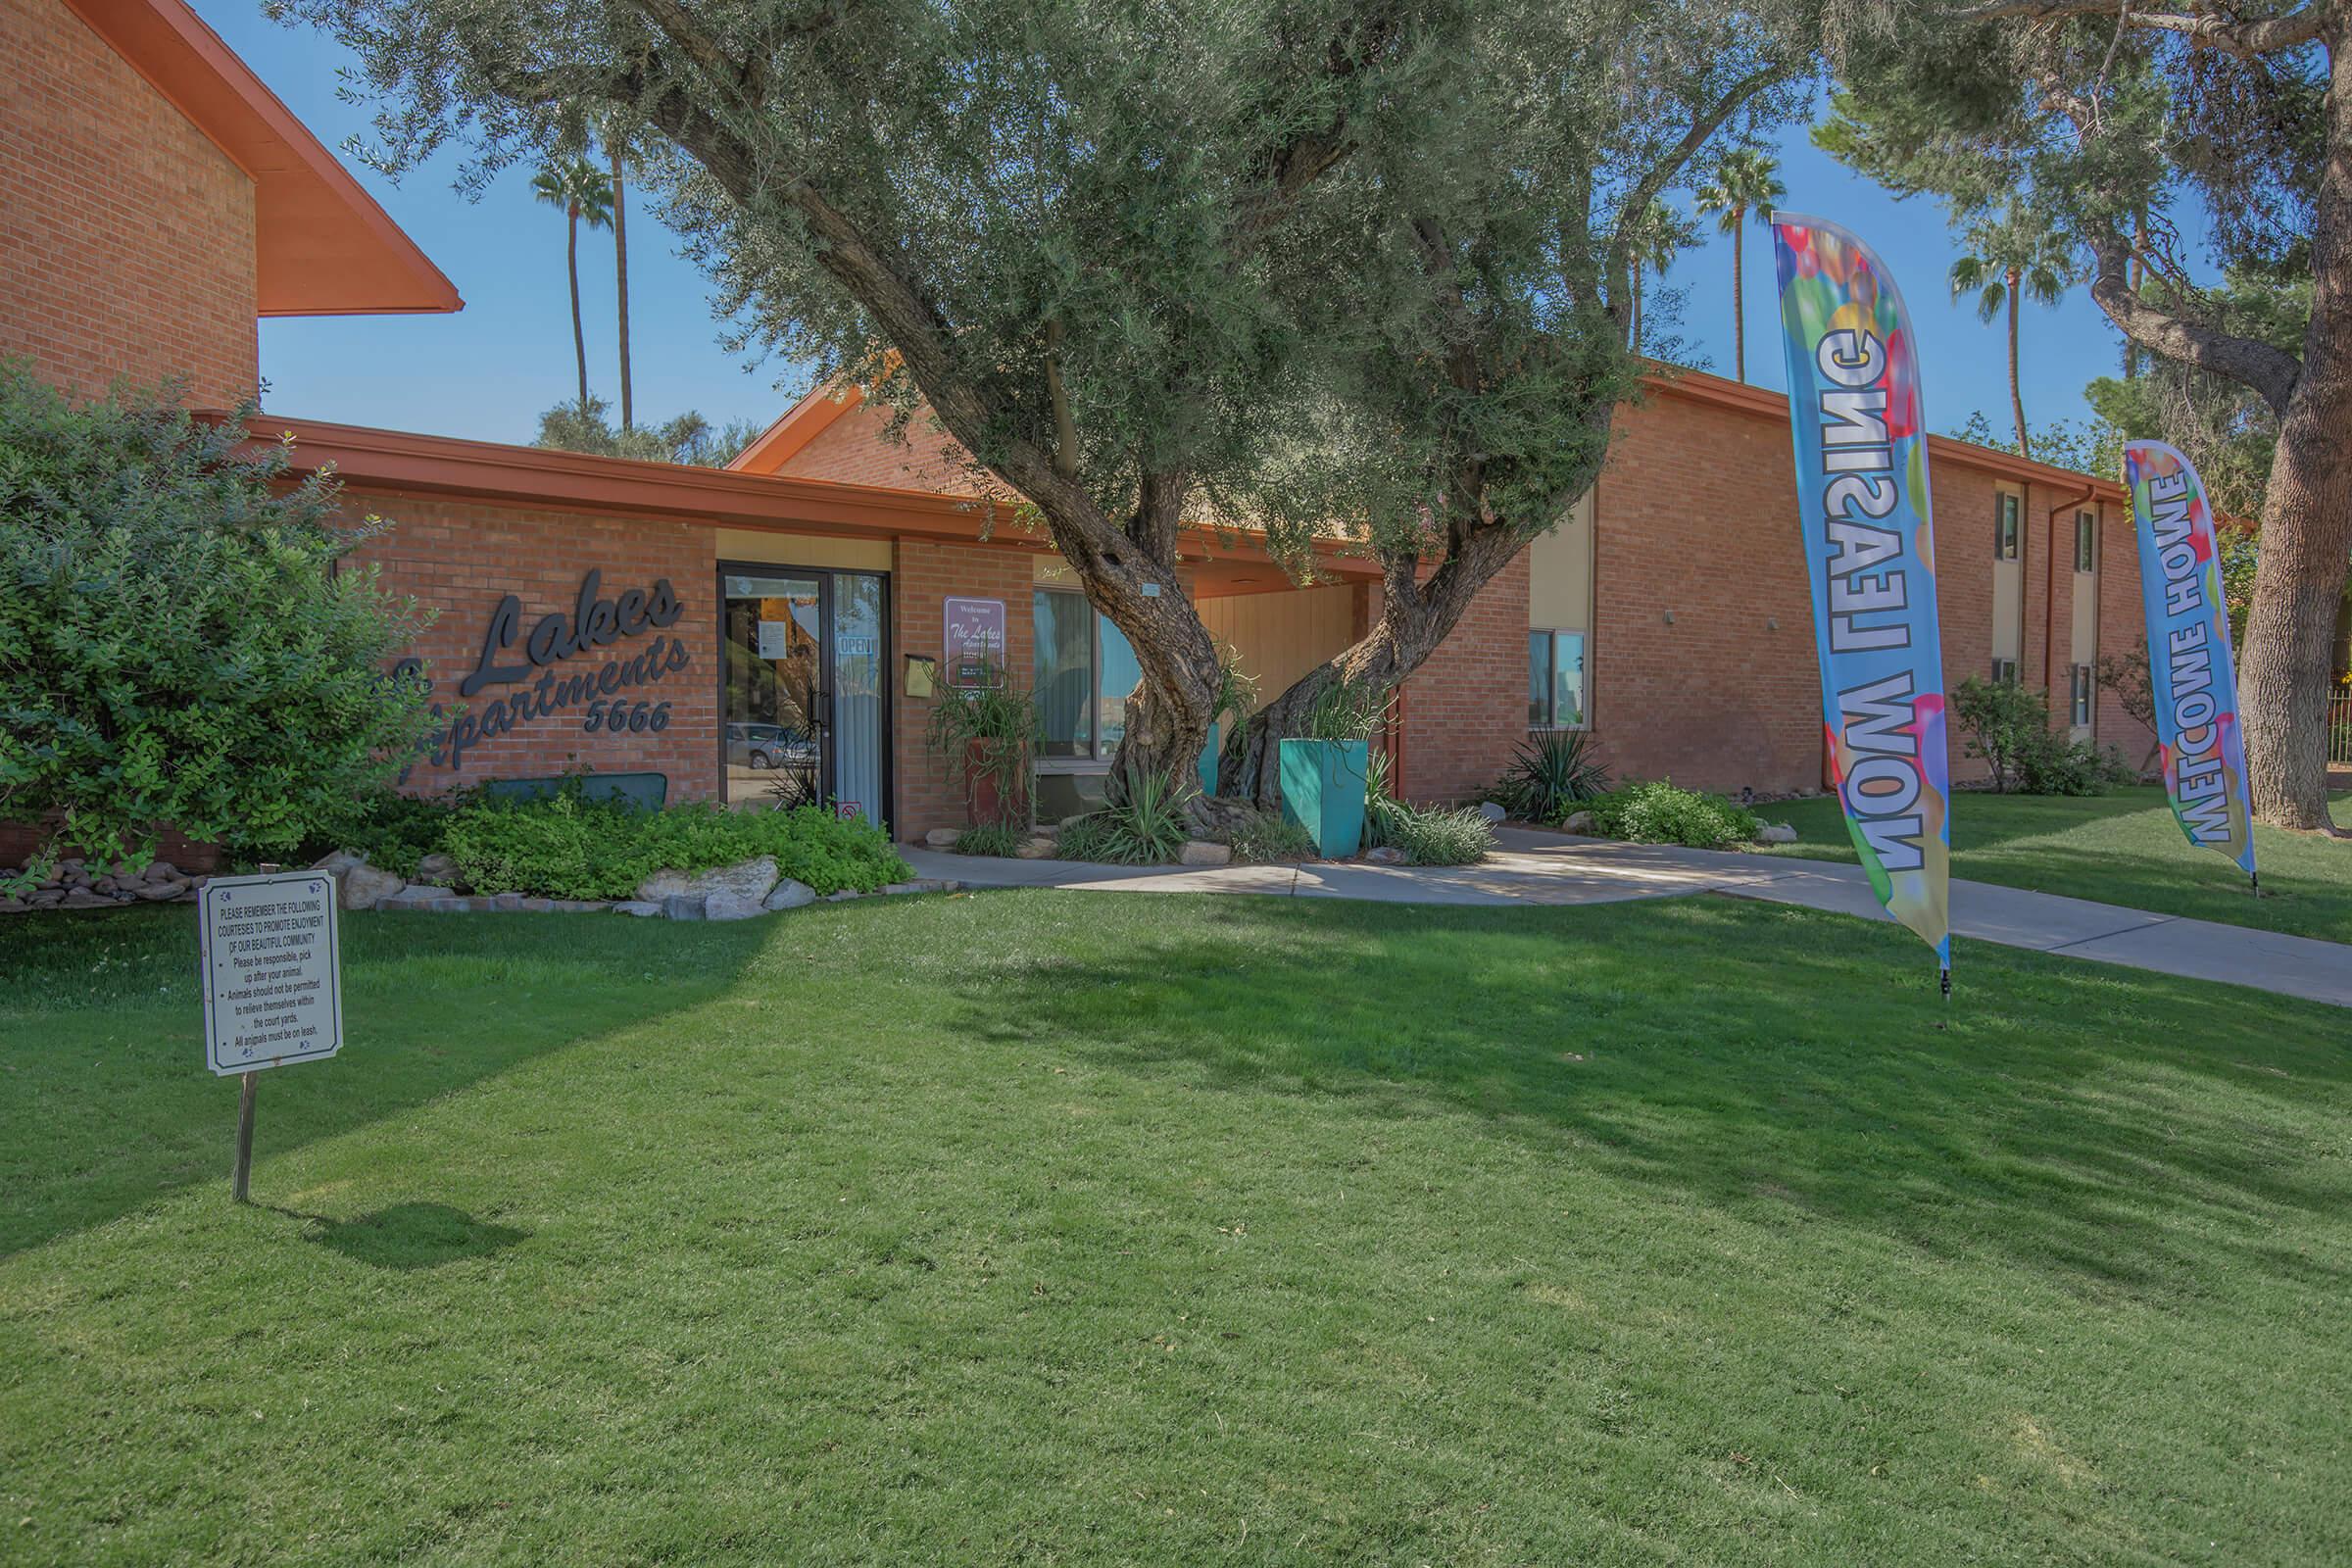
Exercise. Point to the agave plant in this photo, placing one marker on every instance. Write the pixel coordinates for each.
(1551, 775)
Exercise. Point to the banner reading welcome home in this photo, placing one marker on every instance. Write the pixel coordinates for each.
(1862, 498)
(2191, 677)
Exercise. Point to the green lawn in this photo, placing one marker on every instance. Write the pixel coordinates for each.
(1081, 1229)
(2123, 848)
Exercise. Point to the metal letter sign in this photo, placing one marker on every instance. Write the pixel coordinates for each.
(268, 949)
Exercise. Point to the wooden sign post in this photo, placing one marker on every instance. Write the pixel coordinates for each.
(270, 949)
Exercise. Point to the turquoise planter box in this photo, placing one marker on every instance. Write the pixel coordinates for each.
(1323, 791)
(1209, 759)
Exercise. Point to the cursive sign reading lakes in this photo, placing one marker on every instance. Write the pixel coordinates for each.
(605, 695)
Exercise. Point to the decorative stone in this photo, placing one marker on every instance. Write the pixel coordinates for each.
(750, 879)
(1492, 811)
(1047, 830)
(790, 895)
(1035, 849)
(48, 898)
(663, 884)
(162, 871)
(924, 884)
(1775, 833)
(1200, 852)
(1580, 822)
(732, 906)
(84, 898)
(338, 862)
(14, 906)
(578, 905)
(843, 896)
(162, 891)
(640, 908)
(943, 838)
(1385, 854)
(438, 867)
(684, 906)
(415, 895)
(363, 886)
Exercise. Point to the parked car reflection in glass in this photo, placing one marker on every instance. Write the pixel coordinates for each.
(770, 745)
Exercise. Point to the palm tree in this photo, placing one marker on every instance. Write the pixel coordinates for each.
(1746, 181)
(1655, 239)
(581, 189)
(616, 144)
(2013, 257)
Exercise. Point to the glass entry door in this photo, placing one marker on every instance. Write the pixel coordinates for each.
(803, 706)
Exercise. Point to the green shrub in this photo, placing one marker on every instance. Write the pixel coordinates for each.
(1552, 776)
(1384, 815)
(1654, 812)
(566, 847)
(393, 831)
(178, 645)
(988, 838)
(1147, 827)
(1348, 710)
(2008, 725)
(1085, 838)
(1270, 836)
(1442, 837)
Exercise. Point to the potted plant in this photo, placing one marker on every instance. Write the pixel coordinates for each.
(1324, 772)
(1237, 695)
(985, 733)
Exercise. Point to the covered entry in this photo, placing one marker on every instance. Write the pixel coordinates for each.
(802, 701)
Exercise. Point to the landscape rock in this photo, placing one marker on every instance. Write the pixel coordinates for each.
(14, 906)
(684, 906)
(1580, 822)
(162, 871)
(339, 861)
(1200, 852)
(1775, 833)
(750, 879)
(732, 906)
(844, 896)
(48, 898)
(415, 895)
(943, 838)
(162, 891)
(640, 908)
(1492, 811)
(790, 895)
(363, 886)
(84, 898)
(439, 869)
(924, 884)
(1386, 854)
(1039, 848)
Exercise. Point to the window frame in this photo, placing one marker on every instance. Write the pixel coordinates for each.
(2080, 705)
(2086, 543)
(2004, 670)
(1584, 678)
(2008, 525)
(1099, 755)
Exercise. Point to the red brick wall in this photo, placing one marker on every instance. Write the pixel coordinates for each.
(930, 571)
(461, 558)
(2123, 627)
(1465, 711)
(857, 449)
(126, 238)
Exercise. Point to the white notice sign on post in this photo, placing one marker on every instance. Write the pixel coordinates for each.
(270, 956)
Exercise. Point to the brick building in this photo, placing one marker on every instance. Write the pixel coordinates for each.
(763, 629)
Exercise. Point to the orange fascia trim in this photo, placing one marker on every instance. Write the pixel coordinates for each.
(321, 245)
(1699, 386)
(801, 425)
(397, 463)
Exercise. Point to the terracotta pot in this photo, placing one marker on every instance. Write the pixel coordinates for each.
(984, 797)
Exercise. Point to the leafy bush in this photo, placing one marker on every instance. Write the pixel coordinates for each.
(1085, 838)
(1440, 836)
(1654, 812)
(988, 838)
(1270, 836)
(567, 848)
(1552, 776)
(2009, 726)
(393, 831)
(178, 646)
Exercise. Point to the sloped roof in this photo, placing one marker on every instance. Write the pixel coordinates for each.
(322, 245)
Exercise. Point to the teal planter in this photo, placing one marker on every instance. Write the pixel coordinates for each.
(1323, 791)
(1208, 759)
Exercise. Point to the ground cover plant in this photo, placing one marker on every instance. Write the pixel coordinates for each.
(1693, 1231)
(564, 846)
(2119, 848)
(1656, 812)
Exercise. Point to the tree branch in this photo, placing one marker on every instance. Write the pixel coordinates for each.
(2270, 372)
(2215, 30)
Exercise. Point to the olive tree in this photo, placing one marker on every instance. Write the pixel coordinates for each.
(2107, 119)
(1102, 240)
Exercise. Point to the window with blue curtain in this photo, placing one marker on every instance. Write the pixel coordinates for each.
(1084, 670)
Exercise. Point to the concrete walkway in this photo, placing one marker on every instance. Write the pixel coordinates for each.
(1548, 869)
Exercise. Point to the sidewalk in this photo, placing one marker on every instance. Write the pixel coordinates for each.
(1545, 868)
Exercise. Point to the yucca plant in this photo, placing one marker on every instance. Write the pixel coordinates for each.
(1147, 827)
(1553, 774)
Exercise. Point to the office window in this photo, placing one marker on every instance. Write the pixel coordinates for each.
(2081, 714)
(1084, 669)
(2004, 672)
(2087, 541)
(1555, 680)
(2007, 511)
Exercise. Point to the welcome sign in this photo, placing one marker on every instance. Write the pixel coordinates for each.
(1860, 434)
(2191, 677)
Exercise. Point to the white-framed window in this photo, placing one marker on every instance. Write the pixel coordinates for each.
(2087, 541)
(2008, 525)
(2004, 672)
(1557, 693)
(2079, 708)
(1083, 668)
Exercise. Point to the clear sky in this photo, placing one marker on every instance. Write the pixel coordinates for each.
(488, 370)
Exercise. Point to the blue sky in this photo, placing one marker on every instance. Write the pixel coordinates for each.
(488, 370)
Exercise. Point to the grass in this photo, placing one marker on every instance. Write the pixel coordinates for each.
(1086, 1228)
(2122, 848)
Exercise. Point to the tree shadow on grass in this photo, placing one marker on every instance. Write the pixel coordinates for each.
(2109, 1128)
(107, 1105)
(411, 1236)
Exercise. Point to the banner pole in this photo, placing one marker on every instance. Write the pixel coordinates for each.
(1946, 982)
